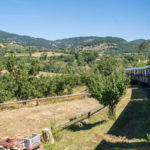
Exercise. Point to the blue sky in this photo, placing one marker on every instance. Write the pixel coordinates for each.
(57, 19)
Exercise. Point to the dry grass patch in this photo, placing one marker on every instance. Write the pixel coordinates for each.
(25, 121)
(38, 54)
(127, 132)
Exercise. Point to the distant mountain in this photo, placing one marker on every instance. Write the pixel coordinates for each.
(25, 40)
(113, 44)
(79, 42)
(72, 43)
(139, 41)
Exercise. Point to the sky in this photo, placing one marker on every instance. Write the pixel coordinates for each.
(58, 19)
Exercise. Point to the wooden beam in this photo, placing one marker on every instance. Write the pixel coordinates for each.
(92, 112)
(42, 99)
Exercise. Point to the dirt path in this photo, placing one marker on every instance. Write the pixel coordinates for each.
(25, 121)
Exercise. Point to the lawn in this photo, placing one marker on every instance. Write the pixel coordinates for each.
(128, 131)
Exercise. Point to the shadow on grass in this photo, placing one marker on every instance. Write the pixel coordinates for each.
(133, 123)
(86, 126)
(141, 93)
(105, 145)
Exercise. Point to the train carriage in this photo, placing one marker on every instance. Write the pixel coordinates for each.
(139, 74)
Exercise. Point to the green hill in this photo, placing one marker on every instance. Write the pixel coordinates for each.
(139, 41)
(110, 44)
(25, 40)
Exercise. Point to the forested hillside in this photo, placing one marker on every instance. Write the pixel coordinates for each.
(139, 41)
(110, 44)
(25, 40)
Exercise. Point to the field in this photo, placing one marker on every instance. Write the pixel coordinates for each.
(25, 121)
(38, 54)
(127, 132)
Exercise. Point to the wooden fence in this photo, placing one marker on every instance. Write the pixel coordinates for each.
(47, 133)
(81, 116)
(48, 99)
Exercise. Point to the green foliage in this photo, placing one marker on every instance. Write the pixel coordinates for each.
(108, 89)
(89, 56)
(56, 131)
(75, 62)
(114, 87)
(144, 47)
(148, 137)
(141, 64)
(1, 60)
(108, 65)
(7, 88)
(10, 64)
(23, 82)
(108, 83)
(50, 146)
(43, 56)
(34, 68)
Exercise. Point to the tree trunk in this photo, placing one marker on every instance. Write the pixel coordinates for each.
(111, 112)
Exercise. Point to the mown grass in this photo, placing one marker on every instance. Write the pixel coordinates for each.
(129, 131)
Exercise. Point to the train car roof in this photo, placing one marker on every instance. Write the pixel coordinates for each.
(137, 68)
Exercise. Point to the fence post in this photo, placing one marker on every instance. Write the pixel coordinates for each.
(37, 103)
(24, 103)
(89, 114)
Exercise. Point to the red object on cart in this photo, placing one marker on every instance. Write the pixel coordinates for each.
(10, 143)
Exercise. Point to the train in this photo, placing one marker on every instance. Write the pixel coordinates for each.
(139, 74)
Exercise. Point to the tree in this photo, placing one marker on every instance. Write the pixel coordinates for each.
(7, 88)
(22, 77)
(144, 47)
(89, 56)
(34, 68)
(43, 56)
(22, 82)
(10, 64)
(30, 52)
(114, 88)
(108, 65)
(95, 85)
(108, 89)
